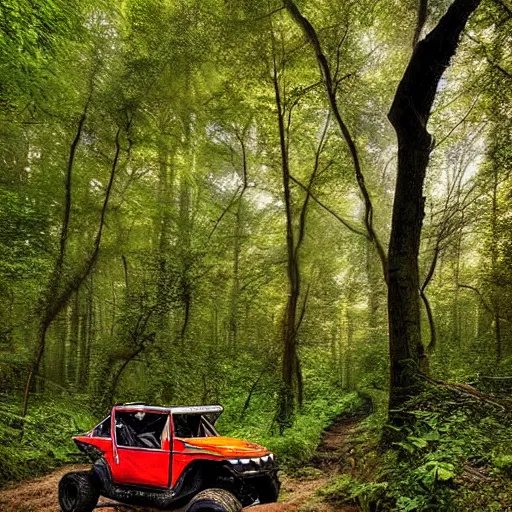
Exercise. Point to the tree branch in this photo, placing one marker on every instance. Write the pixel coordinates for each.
(68, 196)
(304, 209)
(416, 92)
(489, 59)
(422, 18)
(330, 86)
(338, 217)
(431, 323)
(437, 144)
(480, 296)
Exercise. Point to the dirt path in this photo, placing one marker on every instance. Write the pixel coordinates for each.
(336, 454)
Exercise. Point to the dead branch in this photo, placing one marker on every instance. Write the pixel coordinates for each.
(465, 390)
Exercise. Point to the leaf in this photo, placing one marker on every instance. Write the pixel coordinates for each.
(444, 474)
(406, 446)
(419, 442)
(406, 504)
(436, 471)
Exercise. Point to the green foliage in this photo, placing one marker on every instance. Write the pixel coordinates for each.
(299, 442)
(185, 302)
(503, 463)
(452, 453)
(348, 490)
(45, 441)
(29, 38)
(23, 238)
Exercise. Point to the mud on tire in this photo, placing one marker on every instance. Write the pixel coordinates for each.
(214, 500)
(78, 492)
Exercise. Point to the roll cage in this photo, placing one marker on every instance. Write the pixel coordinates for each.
(142, 426)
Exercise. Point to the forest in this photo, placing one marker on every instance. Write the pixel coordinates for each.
(299, 209)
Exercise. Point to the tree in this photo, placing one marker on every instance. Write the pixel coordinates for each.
(409, 115)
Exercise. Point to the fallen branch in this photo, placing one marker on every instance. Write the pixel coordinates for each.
(464, 389)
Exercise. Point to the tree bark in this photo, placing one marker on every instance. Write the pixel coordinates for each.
(409, 115)
(421, 20)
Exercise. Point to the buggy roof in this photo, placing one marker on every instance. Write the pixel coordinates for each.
(191, 409)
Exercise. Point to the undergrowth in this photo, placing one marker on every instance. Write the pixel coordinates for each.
(298, 443)
(452, 454)
(46, 440)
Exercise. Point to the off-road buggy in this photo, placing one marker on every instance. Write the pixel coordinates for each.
(169, 458)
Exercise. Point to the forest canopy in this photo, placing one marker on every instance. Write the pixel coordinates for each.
(263, 204)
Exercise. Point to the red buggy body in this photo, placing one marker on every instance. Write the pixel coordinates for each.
(166, 458)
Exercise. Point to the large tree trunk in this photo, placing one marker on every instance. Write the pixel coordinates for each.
(409, 116)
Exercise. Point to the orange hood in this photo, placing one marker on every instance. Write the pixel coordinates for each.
(226, 446)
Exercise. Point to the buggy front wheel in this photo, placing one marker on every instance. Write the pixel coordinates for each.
(78, 492)
(214, 500)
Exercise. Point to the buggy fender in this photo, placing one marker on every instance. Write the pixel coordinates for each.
(102, 472)
(204, 474)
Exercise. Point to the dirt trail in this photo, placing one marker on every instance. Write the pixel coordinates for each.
(336, 454)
